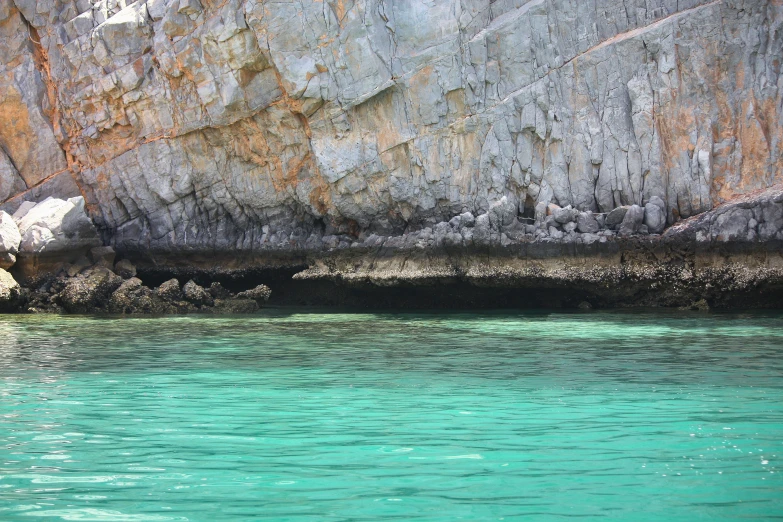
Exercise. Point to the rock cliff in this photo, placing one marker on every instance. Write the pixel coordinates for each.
(211, 131)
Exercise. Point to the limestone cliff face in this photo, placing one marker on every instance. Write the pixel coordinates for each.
(254, 125)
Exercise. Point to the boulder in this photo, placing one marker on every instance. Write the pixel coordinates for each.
(466, 219)
(260, 294)
(56, 225)
(565, 215)
(196, 294)
(502, 213)
(218, 291)
(11, 294)
(731, 224)
(654, 217)
(132, 297)
(9, 241)
(127, 270)
(170, 290)
(586, 223)
(616, 216)
(89, 291)
(632, 220)
(482, 232)
(771, 224)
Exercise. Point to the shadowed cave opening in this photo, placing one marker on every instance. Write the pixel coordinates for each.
(453, 294)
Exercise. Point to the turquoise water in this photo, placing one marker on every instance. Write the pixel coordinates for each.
(332, 416)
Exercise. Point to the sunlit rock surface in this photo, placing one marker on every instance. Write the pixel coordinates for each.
(194, 126)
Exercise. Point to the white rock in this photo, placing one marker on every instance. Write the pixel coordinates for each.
(55, 225)
(9, 240)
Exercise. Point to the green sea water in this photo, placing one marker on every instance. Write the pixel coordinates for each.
(307, 415)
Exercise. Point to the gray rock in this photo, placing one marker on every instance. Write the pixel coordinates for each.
(616, 216)
(89, 291)
(565, 215)
(654, 218)
(569, 227)
(632, 220)
(541, 212)
(589, 239)
(482, 232)
(586, 223)
(11, 182)
(732, 224)
(502, 213)
(466, 219)
(10, 238)
(23, 209)
(458, 105)
(771, 225)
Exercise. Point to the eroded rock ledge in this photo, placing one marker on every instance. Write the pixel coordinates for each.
(729, 257)
(384, 142)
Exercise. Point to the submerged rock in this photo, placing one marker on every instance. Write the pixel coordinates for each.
(234, 306)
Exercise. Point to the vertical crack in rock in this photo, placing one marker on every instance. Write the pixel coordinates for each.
(266, 126)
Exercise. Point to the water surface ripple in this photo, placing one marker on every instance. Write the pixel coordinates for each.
(307, 415)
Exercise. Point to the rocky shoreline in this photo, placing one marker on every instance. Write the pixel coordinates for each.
(403, 154)
(54, 249)
(730, 257)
